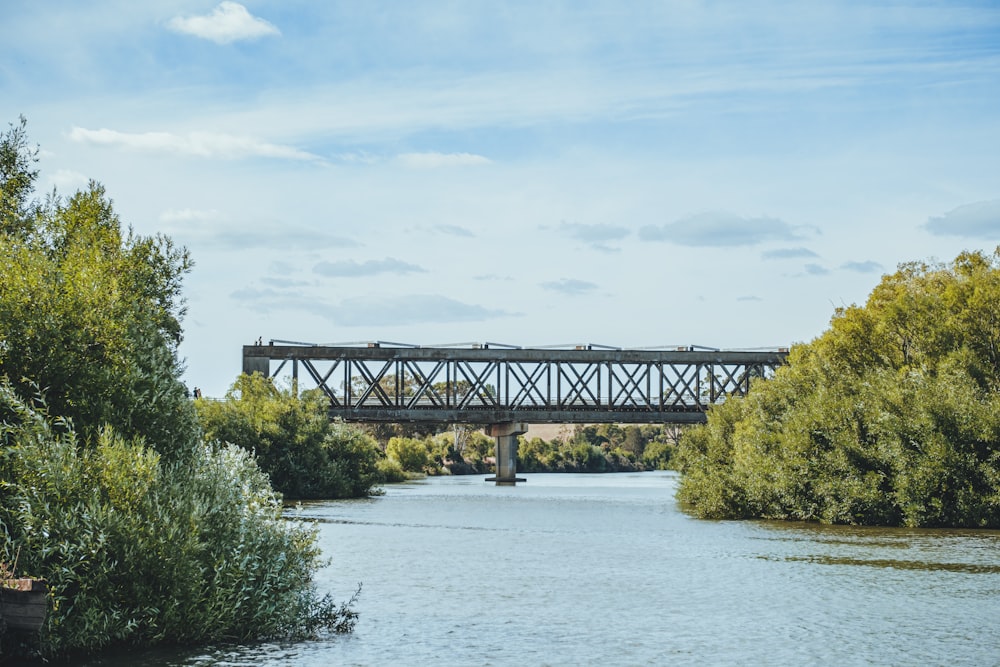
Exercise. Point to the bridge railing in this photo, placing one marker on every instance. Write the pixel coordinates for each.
(486, 385)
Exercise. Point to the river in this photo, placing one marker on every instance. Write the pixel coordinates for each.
(607, 570)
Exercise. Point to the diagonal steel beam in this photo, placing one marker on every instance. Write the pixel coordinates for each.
(387, 381)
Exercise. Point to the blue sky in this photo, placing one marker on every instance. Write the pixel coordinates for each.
(534, 173)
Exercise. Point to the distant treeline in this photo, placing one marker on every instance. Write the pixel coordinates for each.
(592, 448)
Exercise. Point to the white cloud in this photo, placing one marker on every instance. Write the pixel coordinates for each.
(350, 268)
(593, 233)
(282, 237)
(570, 286)
(605, 248)
(408, 309)
(719, 229)
(188, 225)
(454, 230)
(595, 236)
(788, 253)
(979, 220)
(436, 160)
(198, 144)
(816, 270)
(67, 179)
(229, 22)
(269, 299)
(189, 215)
(284, 283)
(869, 266)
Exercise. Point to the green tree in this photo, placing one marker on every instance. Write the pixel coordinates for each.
(890, 417)
(141, 552)
(303, 453)
(90, 314)
(17, 180)
(144, 534)
(634, 442)
(411, 453)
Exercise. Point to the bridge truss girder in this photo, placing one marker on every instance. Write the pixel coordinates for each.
(498, 385)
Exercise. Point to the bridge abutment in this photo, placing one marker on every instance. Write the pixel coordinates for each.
(506, 449)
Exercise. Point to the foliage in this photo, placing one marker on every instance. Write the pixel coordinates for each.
(600, 448)
(89, 313)
(476, 448)
(890, 417)
(390, 471)
(413, 455)
(137, 551)
(592, 448)
(304, 454)
(144, 534)
(17, 179)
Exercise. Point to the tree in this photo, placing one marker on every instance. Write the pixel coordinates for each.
(634, 442)
(106, 490)
(90, 313)
(411, 453)
(294, 442)
(17, 179)
(892, 416)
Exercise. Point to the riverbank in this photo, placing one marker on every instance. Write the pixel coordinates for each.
(606, 570)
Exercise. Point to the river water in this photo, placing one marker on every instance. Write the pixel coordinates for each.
(607, 570)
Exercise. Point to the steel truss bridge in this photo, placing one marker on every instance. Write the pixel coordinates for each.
(495, 384)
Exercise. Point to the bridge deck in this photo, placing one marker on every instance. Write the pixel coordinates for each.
(484, 385)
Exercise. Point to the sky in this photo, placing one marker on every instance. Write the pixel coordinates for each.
(633, 174)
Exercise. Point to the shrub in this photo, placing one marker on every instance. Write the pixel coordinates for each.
(303, 453)
(891, 417)
(139, 551)
(390, 471)
(657, 454)
(144, 534)
(411, 454)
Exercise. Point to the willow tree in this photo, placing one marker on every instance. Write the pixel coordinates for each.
(890, 417)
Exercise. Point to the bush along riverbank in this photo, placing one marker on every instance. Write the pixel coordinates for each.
(293, 441)
(891, 417)
(145, 533)
(462, 450)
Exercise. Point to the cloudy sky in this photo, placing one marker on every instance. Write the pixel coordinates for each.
(635, 174)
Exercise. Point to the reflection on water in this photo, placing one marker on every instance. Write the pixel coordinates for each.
(971, 551)
(899, 564)
(604, 569)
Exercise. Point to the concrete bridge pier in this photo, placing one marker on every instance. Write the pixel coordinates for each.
(506, 437)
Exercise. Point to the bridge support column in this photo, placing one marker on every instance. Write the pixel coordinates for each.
(506, 437)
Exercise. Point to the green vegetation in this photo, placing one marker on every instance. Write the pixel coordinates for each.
(304, 454)
(891, 417)
(601, 448)
(88, 313)
(139, 551)
(144, 533)
(592, 448)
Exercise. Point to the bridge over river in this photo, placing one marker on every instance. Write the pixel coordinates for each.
(504, 387)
